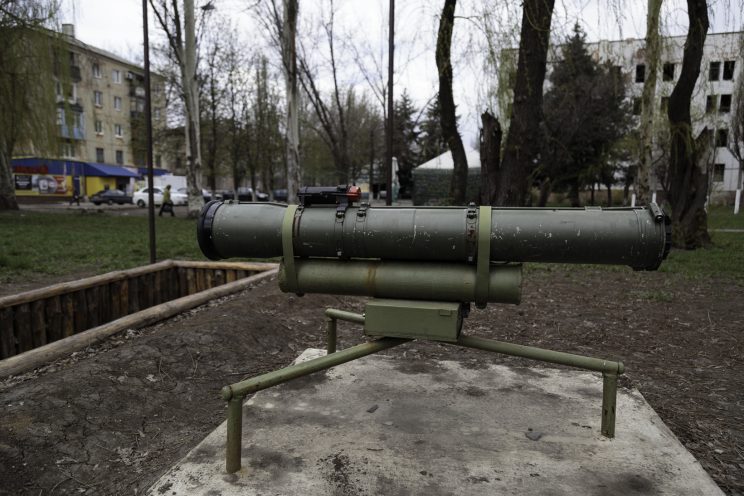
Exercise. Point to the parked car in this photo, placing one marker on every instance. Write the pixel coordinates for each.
(185, 193)
(111, 196)
(142, 196)
(280, 195)
(246, 194)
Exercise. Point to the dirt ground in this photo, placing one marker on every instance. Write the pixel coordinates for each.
(112, 419)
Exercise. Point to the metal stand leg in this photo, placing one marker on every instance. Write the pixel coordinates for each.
(331, 335)
(234, 434)
(609, 401)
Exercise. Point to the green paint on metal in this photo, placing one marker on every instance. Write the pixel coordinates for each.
(636, 237)
(405, 280)
(439, 321)
(270, 379)
(330, 335)
(609, 404)
(234, 434)
(344, 315)
(288, 262)
(578, 361)
(482, 277)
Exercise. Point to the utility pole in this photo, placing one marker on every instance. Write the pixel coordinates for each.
(148, 123)
(390, 120)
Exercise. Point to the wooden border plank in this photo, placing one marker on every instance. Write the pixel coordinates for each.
(53, 351)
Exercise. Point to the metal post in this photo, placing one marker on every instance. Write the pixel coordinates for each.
(390, 107)
(234, 434)
(148, 122)
(331, 335)
(609, 402)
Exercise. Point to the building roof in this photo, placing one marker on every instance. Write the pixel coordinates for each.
(445, 160)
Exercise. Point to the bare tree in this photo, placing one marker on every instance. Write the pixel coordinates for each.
(179, 26)
(490, 156)
(447, 102)
(736, 141)
(522, 149)
(642, 178)
(688, 171)
(27, 102)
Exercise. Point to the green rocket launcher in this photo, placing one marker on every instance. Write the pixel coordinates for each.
(423, 266)
(456, 254)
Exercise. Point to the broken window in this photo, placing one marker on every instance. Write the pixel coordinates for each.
(640, 73)
(728, 70)
(710, 103)
(722, 137)
(715, 71)
(668, 72)
(725, 105)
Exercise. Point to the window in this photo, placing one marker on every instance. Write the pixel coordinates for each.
(715, 71)
(117, 102)
(664, 103)
(116, 76)
(722, 138)
(96, 71)
(640, 73)
(157, 113)
(60, 116)
(67, 149)
(718, 172)
(119, 157)
(637, 106)
(710, 103)
(117, 130)
(158, 161)
(99, 156)
(725, 105)
(98, 98)
(728, 70)
(58, 88)
(99, 127)
(668, 72)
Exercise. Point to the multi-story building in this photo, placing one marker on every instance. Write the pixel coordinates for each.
(100, 117)
(713, 100)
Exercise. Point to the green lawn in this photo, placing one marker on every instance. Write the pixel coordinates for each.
(37, 244)
(34, 244)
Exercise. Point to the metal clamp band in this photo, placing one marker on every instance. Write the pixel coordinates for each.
(483, 261)
(290, 272)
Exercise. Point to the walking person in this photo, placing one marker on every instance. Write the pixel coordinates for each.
(75, 197)
(167, 205)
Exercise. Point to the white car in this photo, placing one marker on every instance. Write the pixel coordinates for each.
(140, 198)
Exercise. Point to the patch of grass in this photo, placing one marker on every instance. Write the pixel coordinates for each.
(724, 258)
(724, 218)
(34, 243)
(654, 295)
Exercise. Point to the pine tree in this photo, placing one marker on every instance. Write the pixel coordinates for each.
(584, 117)
(431, 141)
(405, 141)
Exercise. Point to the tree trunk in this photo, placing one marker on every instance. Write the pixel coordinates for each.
(448, 115)
(609, 195)
(522, 143)
(490, 156)
(293, 98)
(7, 187)
(688, 188)
(642, 184)
(190, 89)
(545, 189)
(591, 200)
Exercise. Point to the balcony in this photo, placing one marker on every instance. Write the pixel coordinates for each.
(75, 75)
(71, 132)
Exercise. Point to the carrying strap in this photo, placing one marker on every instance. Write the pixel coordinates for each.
(290, 272)
(483, 261)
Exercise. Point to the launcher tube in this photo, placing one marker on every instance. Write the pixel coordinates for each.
(637, 237)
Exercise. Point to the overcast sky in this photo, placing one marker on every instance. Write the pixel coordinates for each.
(117, 26)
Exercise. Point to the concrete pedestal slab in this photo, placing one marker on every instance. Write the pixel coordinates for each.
(393, 426)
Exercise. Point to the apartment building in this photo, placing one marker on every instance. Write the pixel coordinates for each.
(100, 116)
(713, 99)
